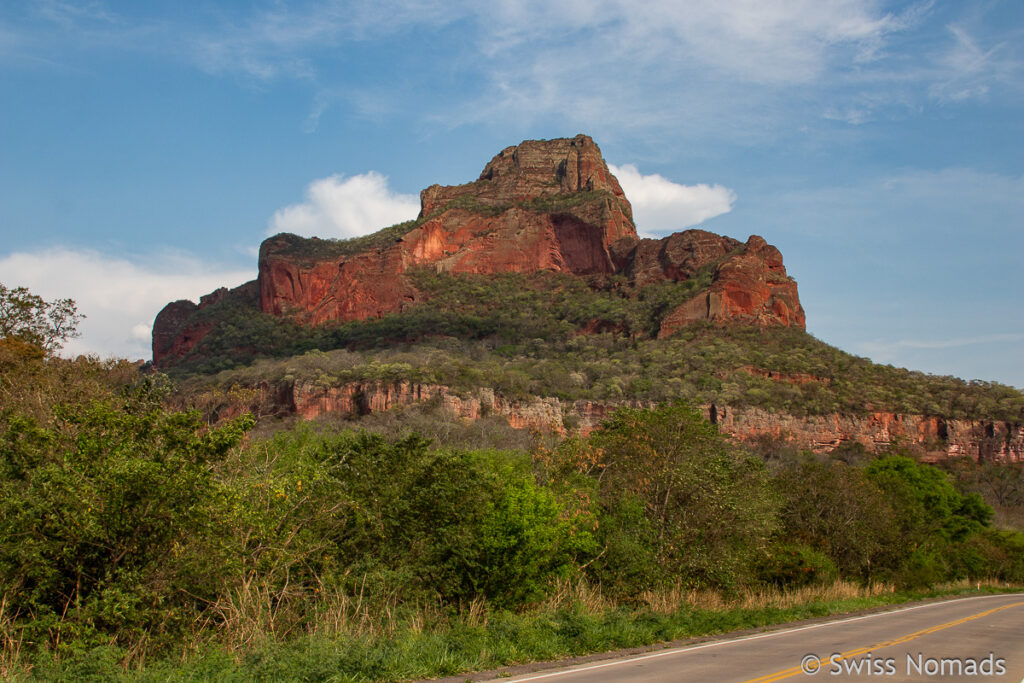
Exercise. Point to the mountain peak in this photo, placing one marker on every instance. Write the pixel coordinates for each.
(541, 205)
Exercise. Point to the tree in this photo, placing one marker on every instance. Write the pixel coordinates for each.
(27, 317)
(835, 508)
(680, 502)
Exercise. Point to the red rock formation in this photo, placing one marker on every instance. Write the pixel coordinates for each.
(749, 286)
(177, 329)
(541, 205)
(311, 401)
(677, 257)
(936, 437)
(168, 326)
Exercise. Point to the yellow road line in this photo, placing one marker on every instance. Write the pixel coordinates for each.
(797, 670)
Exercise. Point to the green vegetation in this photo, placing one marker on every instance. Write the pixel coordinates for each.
(315, 249)
(429, 647)
(28, 319)
(522, 335)
(139, 541)
(673, 499)
(132, 536)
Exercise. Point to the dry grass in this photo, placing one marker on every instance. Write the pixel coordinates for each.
(761, 598)
(590, 599)
(11, 641)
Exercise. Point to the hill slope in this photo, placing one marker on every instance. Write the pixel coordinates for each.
(528, 295)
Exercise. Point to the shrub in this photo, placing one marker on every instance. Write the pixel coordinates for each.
(100, 510)
(675, 495)
(786, 565)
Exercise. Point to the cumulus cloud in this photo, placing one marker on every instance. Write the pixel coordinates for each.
(661, 206)
(342, 207)
(120, 297)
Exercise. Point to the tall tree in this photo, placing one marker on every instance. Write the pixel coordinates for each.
(30, 318)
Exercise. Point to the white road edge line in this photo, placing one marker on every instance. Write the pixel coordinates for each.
(719, 643)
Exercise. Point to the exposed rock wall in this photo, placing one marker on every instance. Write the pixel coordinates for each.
(179, 327)
(540, 205)
(748, 286)
(937, 437)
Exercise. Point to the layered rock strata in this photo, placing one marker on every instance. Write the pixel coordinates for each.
(936, 437)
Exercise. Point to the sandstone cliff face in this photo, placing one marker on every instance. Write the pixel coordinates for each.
(938, 438)
(542, 205)
(169, 328)
(750, 286)
(676, 257)
(318, 289)
(177, 328)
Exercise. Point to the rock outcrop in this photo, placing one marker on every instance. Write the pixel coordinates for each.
(180, 326)
(169, 334)
(542, 205)
(750, 286)
(936, 438)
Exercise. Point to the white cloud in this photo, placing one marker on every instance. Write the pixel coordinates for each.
(266, 44)
(119, 297)
(661, 206)
(886, 349)
(737, 69)
(968, 70)
(342, 207)
(734, 67)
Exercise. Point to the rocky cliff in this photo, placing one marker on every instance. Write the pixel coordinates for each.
(934, 437)
(542, 205)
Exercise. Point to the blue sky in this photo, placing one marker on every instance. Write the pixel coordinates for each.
(147, 148)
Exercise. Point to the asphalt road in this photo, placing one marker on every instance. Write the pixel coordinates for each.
(979, 638)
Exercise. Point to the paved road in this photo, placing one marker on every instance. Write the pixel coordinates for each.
(977, 639)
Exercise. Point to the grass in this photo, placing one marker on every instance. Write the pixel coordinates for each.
(314, 249)
(352, 642)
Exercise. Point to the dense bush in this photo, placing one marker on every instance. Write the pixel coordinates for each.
(105, 515)
(122, 520)
(677, 502)
(790, 566)
(835, 508)
(431, 523)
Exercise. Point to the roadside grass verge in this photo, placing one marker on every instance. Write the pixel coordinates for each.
(577, 620)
